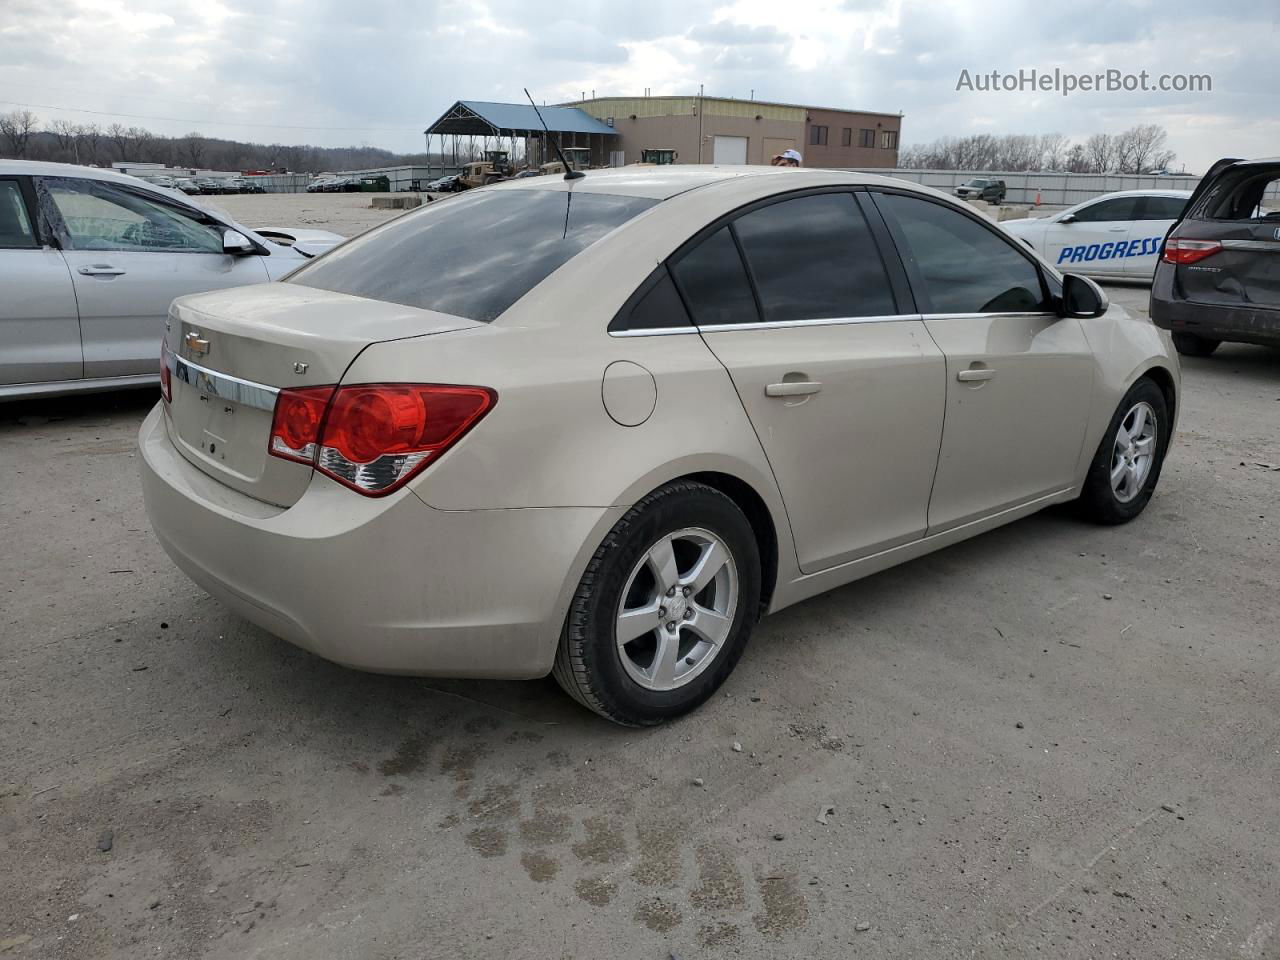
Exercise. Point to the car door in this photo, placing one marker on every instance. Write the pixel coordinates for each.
(1155, 215)
(131, 253)
(839, 377)
(39, 325)
(1092, 238)
(1019, 377)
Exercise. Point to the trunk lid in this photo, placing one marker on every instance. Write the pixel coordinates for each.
(234, 350)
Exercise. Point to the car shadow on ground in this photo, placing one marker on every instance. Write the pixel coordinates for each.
(18, 414)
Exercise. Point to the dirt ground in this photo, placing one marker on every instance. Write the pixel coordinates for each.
(1055, 739)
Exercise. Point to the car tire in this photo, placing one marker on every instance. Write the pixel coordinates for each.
(1119, 483)
(621, 581)
(1190, 345)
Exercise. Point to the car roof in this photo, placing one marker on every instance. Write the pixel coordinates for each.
(1170, 192)
(664, 182)
(40, 168)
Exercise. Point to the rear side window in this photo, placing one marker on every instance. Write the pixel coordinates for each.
(1162, 208)
(714, 282)
(814, 258)
(963, 266)
(1117, 208)
(15, 225)
(1244, 195)
(655, 306)
(471, 256)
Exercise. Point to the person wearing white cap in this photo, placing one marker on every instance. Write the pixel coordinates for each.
(788, 158)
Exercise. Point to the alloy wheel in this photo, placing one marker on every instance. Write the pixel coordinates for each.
(1134, 451)
(677, 609)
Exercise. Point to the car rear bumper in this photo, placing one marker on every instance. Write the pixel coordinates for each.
(1236, 324)
(390, 585)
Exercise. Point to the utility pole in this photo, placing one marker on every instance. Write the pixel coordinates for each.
(700, 89)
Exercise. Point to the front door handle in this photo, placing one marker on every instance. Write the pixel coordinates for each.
(793, 388)
(1116, 229)
(101, 270)
(980, 373)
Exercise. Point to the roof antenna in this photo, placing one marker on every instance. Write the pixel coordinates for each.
(569, 172)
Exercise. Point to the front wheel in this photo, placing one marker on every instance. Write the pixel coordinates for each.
(664, 608)
(1127, 465)
(1189, 345)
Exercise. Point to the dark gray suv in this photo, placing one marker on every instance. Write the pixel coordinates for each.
(1219, 272)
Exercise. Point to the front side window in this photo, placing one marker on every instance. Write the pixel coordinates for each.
(964, 267)
(15, 225)
(471, 256)
(714, 282)
(105, 216)
(814, 258)
(1117, 208)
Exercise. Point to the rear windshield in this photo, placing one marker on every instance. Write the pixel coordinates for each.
(471, 256)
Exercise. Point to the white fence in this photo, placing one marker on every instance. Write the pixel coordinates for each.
(1056, 189)
(282, 182)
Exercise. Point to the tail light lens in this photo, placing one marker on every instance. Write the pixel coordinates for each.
(1188, 251)
(166, 375)
(374, 437)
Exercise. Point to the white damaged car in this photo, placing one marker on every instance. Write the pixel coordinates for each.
(90, 261)
(1115, 235)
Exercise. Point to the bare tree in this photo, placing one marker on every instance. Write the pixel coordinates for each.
(1102, 151)
(1076, 159)
(17, 128)
(64, 133)
(120, 137)
(89, 136)
(192, 148)
(1053, 147)
(140, 141)
(1141, 148)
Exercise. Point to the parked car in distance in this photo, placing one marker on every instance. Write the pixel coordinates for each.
(1218, 278)
(89, 282)
(248, 185)
(166, 182)
(447, 184)
(982, 188)
(186, 185)
(1114, 235)
(665, 401)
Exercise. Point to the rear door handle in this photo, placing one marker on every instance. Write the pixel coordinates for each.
(793, 388)
(1116, 229)
(101, 270)
(969, 376)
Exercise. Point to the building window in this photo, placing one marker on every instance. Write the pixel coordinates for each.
(846, 137)
(866, 138)
(889, 140)
(817, 136)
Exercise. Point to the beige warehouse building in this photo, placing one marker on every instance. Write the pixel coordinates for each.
(722, 130)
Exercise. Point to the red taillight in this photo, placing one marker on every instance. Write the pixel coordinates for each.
(374, 437)
(295, 425)
(166, 375)
(1188, 251)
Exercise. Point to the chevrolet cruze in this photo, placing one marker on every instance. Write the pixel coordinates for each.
(598, 427)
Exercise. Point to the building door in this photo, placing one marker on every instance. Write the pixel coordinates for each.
(729, 150)
(776, 145)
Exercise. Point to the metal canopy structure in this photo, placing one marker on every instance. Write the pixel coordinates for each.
(477, 118)
(516, 121)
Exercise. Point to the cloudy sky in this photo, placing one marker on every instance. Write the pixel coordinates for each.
(377, 72)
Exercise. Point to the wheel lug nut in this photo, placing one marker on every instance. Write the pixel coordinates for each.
(672, 626)
(688, 614)
(662, 613)
(686, 591)
(671, 592)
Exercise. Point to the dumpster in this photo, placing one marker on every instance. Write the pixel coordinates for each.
(378, 184)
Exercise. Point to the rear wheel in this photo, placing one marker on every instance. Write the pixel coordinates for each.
(1126, 467)
(664, 609)
(1189, 345)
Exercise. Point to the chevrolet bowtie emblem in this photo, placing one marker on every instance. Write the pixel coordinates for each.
(195, 343)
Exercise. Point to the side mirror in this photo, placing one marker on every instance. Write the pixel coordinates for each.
(235, 242)
(1082, 298)
(1067, 218)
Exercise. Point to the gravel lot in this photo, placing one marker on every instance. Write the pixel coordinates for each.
(1055, 739)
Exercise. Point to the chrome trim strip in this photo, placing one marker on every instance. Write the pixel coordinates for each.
(224, 386)
(654, 332)
(822, 322)
(1267, 246)
(987, 316)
